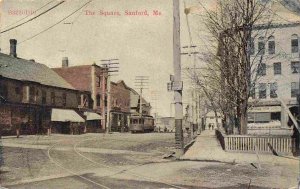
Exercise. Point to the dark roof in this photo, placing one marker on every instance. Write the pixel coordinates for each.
(119, 83)
(25, 70)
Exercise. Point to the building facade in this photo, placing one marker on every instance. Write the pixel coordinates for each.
(92, 79)
(29, 91)
(275, 52)
(120, 106)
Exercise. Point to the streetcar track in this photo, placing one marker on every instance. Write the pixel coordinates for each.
(117, 169)
(72, 172)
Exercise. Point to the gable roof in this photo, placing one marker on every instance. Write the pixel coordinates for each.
(25, 70)
(121, 82)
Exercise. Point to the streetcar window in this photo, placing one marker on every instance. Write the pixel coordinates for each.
(135, 121)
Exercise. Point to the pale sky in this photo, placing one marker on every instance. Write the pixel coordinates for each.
(143, 44)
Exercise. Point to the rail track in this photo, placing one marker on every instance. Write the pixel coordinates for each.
(72, 172)
(99, 164)
(119, 171)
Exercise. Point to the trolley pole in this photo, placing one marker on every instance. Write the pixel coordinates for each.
(177, 83)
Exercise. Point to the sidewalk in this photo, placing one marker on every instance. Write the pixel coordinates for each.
(208, 148)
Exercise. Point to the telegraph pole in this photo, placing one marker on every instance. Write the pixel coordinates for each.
(154, 98)
(298, 147)
(191, 53)
(176, 85)
(141, 82)
(192, 60)
(110, 66)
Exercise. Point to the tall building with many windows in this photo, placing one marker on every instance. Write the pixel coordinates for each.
(275, 56)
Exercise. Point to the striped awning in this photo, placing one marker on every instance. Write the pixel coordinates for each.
(65, 115)
(92, 116)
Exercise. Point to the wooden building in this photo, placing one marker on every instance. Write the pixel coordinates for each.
(29, 91)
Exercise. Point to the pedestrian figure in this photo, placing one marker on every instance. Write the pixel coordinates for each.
(18, 129)
(48, 126)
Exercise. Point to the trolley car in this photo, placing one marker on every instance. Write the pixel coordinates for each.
(141, 123)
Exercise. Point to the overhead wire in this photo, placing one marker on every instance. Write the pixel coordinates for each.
(70, 31)
(28, 15)
(14, 27)
(48, 28)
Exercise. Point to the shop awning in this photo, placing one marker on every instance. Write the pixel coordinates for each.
(64, 115)
(92, 116)
(265, 109)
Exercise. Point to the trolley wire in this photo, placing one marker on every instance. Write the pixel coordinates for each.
(28, 15)
(14, 27)
(48, 28)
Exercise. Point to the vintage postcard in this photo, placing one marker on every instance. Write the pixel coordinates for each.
(150, 94)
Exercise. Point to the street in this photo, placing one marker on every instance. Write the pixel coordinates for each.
(122, 160)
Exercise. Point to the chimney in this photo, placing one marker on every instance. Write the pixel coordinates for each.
(13, 47)
(65, 62)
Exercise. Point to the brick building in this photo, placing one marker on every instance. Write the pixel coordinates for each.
(120, 106)
(31, 93)
(91, 79)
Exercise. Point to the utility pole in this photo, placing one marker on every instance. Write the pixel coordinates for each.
(154, 98)
(110, 66)
(191, 53)
(176, 84)
(299, 107)
(193, 61)
(141, 82)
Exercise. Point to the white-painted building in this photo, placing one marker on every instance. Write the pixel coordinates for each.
(275, 51)
(211, 121)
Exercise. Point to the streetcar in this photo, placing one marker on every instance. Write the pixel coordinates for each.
(142, 123)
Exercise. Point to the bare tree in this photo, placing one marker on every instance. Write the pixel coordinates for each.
(230, 74)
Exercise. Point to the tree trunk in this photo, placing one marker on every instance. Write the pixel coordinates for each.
(244, 118)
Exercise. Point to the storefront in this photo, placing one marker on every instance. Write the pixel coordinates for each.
(119, 121)
(66, 121)
(264, 114)
(93, 122)
(29, 119)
